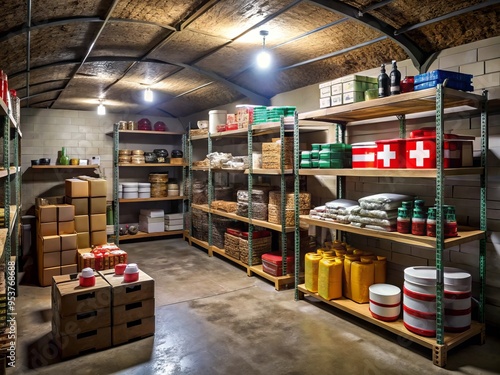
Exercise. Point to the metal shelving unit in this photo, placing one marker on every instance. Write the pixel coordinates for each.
(247, 135)
(9, 236)
(121, 135)
(438, 99)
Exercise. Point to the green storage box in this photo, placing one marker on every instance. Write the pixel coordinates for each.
(315, 163)
(305, 155)
(305, 163)
(324, 163)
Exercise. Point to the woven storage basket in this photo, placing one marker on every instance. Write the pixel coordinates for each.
(219, 226)
(259, 246)
(274, 215)
(304, 200)
(224, 206)
(159, 189)
(232, 245)
(259, 210)
(200, 196)
(223, 193)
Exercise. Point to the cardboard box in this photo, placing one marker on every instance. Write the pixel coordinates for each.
(83, 342)
(68, 257)
(49, 244)
(47, 229)
(80, 322)
(66, 227)
(49, 260)
(81, 259)
(47, 201)
(391, 153)
(152, 213)
(68, 241)
(97, 187)
(324, 103)
(82, 223)
(97, 205)
(336, 100)
(83, 240)
(69, 269)
(133, 330)
(65, 212)
(46, 214)
(45, 275)
(353, 97)
(76, 188)
(144, 226)
(97, 223)
(133, 311)
(81, 205)
(98, 238)
(69, 298)
(125, 293)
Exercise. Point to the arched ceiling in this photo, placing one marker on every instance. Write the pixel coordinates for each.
(199, 54)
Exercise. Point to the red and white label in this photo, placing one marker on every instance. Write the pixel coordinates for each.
(364, 155)
(421, 153)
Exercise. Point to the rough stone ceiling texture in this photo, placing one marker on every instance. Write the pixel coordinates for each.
(199, 54)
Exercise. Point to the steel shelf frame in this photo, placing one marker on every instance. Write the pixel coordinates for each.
(443, 98)
(116, 176)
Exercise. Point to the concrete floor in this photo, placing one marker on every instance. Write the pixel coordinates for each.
(213, 319)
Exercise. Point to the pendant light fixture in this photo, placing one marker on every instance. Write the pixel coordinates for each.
(264, 58)
(148, 95)
(101, 109)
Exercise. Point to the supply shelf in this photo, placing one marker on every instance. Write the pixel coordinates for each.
(436, 100)
(242, 135)
(362, 311)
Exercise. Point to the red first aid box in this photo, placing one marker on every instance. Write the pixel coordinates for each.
(272, 263)
(364, 155)
(421, 153)
(391, 153)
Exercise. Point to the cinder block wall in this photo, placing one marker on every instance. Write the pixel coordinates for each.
(83, 133)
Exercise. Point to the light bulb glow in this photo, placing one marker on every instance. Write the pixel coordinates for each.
(148, 95)
(101, 109)
(263, 59)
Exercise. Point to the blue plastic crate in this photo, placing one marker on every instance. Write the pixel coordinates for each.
(441, 75)
(457, 85)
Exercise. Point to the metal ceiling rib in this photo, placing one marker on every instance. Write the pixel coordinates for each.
(91, 46)
(415, 53)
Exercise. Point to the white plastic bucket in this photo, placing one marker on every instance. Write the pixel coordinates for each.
(216, 117)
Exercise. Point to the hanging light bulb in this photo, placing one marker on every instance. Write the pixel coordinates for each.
(148, 95)
(264, 58)
(101, 109)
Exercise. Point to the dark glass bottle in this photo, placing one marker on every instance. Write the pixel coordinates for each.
(383, 83)
(395, 79)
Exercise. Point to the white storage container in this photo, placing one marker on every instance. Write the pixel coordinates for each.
(216, 117)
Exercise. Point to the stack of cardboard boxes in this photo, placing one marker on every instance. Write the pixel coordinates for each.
(81, 317)
(57, 242)
(132, 307)
(89, 198)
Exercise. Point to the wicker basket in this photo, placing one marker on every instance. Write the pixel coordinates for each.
(200, 196)
(274, 215)
(232, 245)
(219, 226)
(224, 206)
(304, 200)
(259, 246)
(259, 210)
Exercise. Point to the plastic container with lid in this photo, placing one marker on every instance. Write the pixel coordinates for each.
(362, 277)
(131, 273)
(403, 221)
(216, 117)
(431, 222)
(87, 277)
(311, 271)
(418, 222)
(330, 278)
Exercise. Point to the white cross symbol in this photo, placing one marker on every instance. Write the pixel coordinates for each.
(420, 154)
(387, 155)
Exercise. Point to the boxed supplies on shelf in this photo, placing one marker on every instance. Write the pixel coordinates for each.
(152, 213)
(364, 155)
(101, 257)
(151, 224)
(325, 89)
(272, 263)
(391, 153)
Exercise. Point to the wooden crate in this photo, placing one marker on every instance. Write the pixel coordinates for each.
(125, 293)
(81, 321)
(274, 215)
(133, 330)
(133, 311)
(83, 342)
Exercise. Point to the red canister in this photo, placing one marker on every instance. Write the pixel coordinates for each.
(87, 277)
(131, 273)
(120, 268)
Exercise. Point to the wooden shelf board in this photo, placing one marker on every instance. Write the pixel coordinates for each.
(203, 244)
(65, 166)
(180, 197)
(372, 172)
(260, 223)
(362, 311)
(12, 170)
(260, 129)
(464, 235)
(269, 171)
(407, 103)
(152, 165)
(148, 132)
(150, 235)
(227, 170)
(279, 280)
